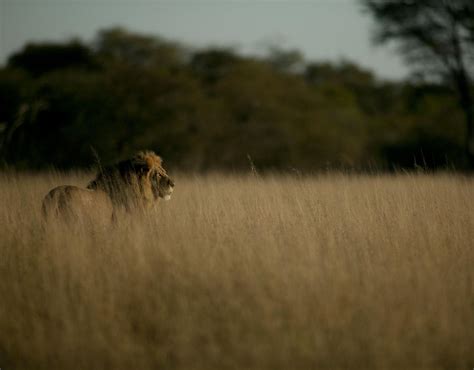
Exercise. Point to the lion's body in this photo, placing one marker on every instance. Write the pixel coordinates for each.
(74, 204)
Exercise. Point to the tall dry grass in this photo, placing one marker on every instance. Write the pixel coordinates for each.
(244, 273)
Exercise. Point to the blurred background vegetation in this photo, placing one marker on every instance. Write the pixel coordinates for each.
(61, 104)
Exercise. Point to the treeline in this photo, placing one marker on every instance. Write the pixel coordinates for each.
(63, 104)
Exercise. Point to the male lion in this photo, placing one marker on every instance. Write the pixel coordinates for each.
(134, 183)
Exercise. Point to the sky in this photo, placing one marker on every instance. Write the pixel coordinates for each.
(323, 30)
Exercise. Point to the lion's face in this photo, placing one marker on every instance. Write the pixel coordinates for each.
(162, 186)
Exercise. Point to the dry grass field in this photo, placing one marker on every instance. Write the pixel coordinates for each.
(244, 272)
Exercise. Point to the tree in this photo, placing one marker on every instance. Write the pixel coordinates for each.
(120, 45)
(438, 36)
(42, 58)
(285, 60)
(213, 64)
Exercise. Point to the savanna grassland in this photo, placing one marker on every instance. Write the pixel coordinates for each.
(244, 272)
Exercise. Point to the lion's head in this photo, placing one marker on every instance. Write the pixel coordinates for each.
(138, 181)
(162, 186)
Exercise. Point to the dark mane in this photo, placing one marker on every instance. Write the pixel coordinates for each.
(129, 180)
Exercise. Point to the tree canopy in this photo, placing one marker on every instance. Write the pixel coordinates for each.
(436, 36)
(213, 108)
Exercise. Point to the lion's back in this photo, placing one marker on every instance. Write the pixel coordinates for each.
(69, 202)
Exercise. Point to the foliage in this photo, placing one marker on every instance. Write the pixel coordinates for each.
(436, 36)
(214, 109)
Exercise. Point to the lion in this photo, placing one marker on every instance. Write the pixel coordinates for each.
(135, 183)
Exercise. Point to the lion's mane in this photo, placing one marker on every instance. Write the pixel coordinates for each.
(129, 182)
